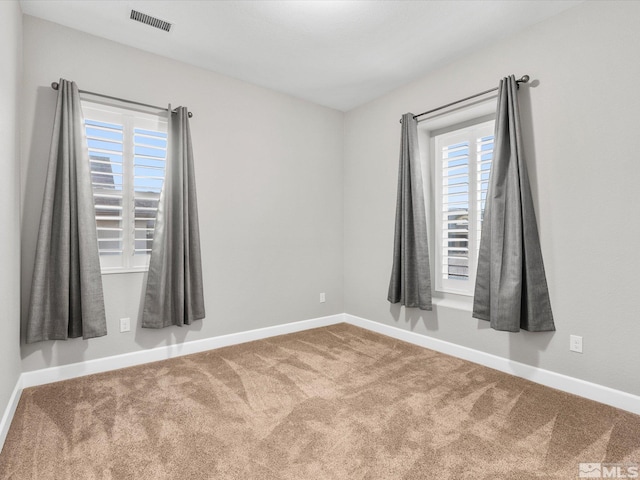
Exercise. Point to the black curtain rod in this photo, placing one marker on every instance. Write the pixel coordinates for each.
(523, 79)
(55, 86)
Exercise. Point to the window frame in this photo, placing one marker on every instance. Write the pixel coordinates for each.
(444, 120)
(130, 119)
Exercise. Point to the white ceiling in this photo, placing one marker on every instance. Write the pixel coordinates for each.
(340, 54)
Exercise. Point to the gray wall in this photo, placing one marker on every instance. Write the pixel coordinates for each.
(10, 79)
(269, 183)
(581, 117)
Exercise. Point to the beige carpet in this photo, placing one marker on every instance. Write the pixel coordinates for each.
(331, 403)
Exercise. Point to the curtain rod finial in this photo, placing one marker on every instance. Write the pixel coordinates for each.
(524, 79)
(55, 85)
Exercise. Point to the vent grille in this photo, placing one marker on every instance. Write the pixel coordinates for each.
(149, 20)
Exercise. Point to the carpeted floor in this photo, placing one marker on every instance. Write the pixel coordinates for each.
(332, 403)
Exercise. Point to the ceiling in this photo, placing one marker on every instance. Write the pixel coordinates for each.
(340, 54)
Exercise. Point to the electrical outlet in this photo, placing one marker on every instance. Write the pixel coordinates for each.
(575, 343)
(323, 298)
(125, 324)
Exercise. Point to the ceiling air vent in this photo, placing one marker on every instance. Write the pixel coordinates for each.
(149, 20)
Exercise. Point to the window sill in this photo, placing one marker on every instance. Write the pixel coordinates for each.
(454, 302)
(115, 271)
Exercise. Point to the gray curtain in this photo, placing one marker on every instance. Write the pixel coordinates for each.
(66, 292)
(410, 283)
(511, 287)
(174, 293)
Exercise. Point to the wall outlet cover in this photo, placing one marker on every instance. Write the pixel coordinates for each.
(125, 324)
(575, 343)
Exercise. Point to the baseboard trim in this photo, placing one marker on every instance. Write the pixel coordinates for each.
(115, 362)
(7, 417)
(593, 391)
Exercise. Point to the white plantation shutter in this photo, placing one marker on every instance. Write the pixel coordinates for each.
(105, 155)
(463, 163)
(150, 152)
(455, 210)
(484, 156)
(127, 151)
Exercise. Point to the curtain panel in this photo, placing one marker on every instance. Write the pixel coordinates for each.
(66, 292)
(410, 283)
(174, 294)
(511, 287)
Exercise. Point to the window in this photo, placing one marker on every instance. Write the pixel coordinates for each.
(462, 166)
(127, 152)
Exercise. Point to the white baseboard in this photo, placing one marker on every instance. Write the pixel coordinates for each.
(599, 393)
(65, 372)
(5, 423)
